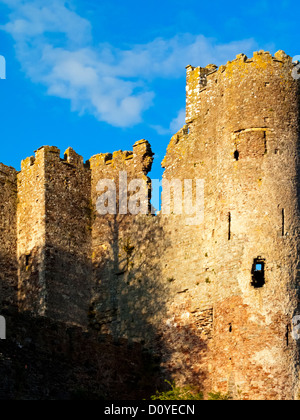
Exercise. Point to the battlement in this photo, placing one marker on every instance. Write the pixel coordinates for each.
(110, 158)
(199, 79)
(141, 156)
(52, 154)
(73, 158)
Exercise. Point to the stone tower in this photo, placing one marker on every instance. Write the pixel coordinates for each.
(243, 125)
(53, 235)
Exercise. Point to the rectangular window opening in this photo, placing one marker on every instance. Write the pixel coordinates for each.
(287, 335)
(27, 261)
(236, 155)
(265, 142)
(258, 273)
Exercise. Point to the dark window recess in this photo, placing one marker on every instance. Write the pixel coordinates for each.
(287, 334)
(283, 222)
(265, 142)
(27, 260)
(230, 328)
(236, 155)
(229, 226)
(258, 272)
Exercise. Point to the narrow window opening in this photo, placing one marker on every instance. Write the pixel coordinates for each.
(283, 222)
(236, 155)
(27, 261)
(287, 335)
(230, 328)
(265, 141)
(258, 273)
(229, 226)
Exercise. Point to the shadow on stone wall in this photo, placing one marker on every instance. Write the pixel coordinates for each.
(130, 297)
(132, 300)
(8, 281)
(47, 360)
(125, 355)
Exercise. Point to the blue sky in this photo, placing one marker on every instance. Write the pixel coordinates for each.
(98, 75)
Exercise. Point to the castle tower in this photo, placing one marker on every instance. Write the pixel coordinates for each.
(243, 124)
(54, 222)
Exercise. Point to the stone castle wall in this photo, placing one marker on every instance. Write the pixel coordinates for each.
(183, 291)
(8, 243)
(68, 241)
(31, 234)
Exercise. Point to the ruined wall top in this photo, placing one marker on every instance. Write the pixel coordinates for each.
(141, 156)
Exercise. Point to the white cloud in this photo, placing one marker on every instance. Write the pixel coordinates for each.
(167, 58)
(176, 124)
(36, 17)
(55, 47)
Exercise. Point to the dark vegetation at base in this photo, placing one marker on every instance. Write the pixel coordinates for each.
(46, 360)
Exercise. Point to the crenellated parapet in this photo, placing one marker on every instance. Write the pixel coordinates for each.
(48, 154)
(73, 158)
(140, 159)
(199, 79)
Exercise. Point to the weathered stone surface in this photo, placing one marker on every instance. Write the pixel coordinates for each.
(8, 242)
(184, 292)
(54, 236)
(250, 106)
